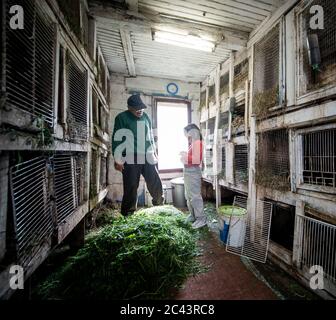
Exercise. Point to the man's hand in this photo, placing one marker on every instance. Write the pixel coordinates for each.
(118, 166)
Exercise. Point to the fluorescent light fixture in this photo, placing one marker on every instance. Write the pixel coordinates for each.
(185, 41)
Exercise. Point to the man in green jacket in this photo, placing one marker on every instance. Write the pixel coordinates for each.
(133, 149)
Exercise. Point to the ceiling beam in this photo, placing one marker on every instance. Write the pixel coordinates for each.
(232, 39)
(127, 45)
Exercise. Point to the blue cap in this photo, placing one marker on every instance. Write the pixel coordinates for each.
(135, 102)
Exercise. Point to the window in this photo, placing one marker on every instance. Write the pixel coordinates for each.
(172, 117)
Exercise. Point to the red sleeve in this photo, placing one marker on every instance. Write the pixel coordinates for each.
(195, 153)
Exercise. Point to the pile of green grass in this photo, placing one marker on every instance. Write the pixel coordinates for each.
(141, 256)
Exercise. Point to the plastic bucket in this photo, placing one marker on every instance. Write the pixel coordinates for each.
(223, 233)
(237, 231)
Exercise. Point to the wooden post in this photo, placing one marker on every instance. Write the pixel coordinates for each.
(252, 199)
(298, 234)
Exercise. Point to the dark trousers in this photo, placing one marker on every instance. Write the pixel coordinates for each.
(131, 178)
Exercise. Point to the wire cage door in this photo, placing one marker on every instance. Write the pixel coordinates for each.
(249, 231)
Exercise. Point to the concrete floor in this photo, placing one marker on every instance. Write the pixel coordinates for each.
(227, 278)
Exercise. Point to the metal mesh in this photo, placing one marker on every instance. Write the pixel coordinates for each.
(103, 173)
(224, 84)
(203, 99)
(211, 126)
(77, 100)
(317, 244)
(222, 163)
(326, 75)
(319, 158)
(223, 124)
(65, 186)
(102, 75)
(93, 174)
(266, 72)
(33, 220)
(212, 94)
(249, 234)
(240, 75)
(238, 119)
(273, 160)
(241, 163)
(85, 26)
(30, 61)
(80, 165)
(209, 159)
(71, 11)
(95, 108)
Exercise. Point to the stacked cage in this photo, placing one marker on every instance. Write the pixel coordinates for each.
(240, 82)
(317, 238)
(273, 169)
(318, 166)
(241, 161)
(209, 148)
(317, 68)
(29, 80)
(266, 80)
(46, 191)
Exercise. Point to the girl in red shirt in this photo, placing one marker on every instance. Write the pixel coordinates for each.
(192, 173)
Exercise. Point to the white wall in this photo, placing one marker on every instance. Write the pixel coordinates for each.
(121, 88)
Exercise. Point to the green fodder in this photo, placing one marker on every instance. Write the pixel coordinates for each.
(263, 101)
(141, 256)
(269, 180)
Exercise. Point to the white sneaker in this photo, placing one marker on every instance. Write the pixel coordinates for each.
(199, 224)
(190, 218)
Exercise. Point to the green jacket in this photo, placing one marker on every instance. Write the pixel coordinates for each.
(126, 120)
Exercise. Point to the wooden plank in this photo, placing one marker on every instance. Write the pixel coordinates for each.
(282, 253)
(253, 9)
(252, 187)
(297, 244)
(71, 222)
(199, 9)
(229, 163)
(228, 23)
(290, 59)
(302, 117)
(292, 159)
